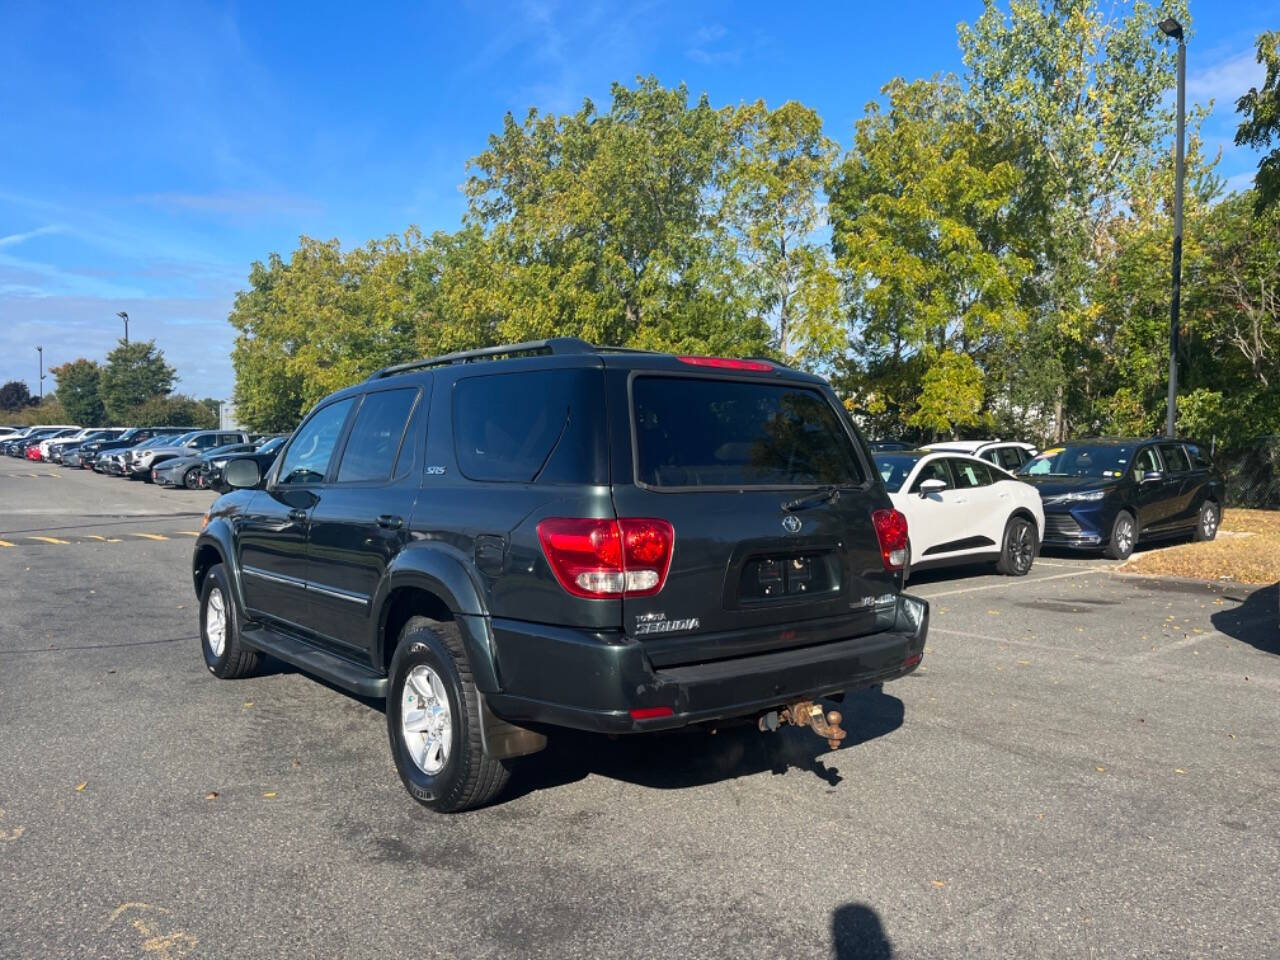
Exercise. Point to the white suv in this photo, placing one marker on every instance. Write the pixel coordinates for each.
(1007, 454)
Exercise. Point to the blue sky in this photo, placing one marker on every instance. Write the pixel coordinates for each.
(150, 153)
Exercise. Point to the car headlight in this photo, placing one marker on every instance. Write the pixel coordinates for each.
(1083, 496)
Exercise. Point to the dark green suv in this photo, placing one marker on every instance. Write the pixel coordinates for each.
(506, 541)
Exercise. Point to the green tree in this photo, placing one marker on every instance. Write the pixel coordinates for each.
(320, 321)
(606, 225)
(773, 188)
(172, 410)
(134, 373)
(921, 212)
(1260, 126)
(78, 391)
(951, 395)
(15, 396)
(1081, 91)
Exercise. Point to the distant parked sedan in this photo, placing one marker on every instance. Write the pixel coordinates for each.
(189, 471)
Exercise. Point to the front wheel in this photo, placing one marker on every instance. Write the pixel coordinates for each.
(225, 656)
(1207, 522)
(433, 721)
(1124, 535)
(1018, 550)
(191, 479)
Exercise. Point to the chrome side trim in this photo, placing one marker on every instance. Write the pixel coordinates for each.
(338, 594)
(273, 577)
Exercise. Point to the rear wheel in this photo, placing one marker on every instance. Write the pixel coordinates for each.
(1018, 551)
(433, 721)
(1124, 536)
(1207, 521)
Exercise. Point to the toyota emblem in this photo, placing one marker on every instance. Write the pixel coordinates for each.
(791, 523)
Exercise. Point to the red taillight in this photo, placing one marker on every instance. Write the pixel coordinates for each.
(727, 363)
(891, 530)
(651, 713)
(913, 660)
(600, 559)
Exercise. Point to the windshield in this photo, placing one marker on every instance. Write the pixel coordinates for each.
(227, 449)
(1099, 461)
(272, 445)
(894, 468)
(692, 432)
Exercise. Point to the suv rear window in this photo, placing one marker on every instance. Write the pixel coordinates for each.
(695, 432)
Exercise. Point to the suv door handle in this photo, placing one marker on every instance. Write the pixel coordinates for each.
(298, 515)
(389, 522)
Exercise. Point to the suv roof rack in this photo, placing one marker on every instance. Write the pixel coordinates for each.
(552, 345)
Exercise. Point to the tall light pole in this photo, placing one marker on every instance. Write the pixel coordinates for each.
(1173, 29)
(40, 350)
(125, 317)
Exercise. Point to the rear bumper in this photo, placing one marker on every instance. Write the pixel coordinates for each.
(591, 681)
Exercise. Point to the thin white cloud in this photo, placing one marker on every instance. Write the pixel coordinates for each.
(13, 239)
(1226, 81)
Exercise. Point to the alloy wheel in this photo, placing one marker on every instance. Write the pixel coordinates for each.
(215, 622)
(1208, 520)
(1020, 547)
(426, 722)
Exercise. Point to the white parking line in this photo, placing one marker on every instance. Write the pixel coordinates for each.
(1010, 582)
(966, 635)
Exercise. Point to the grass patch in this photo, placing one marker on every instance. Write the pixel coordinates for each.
(1247, 551)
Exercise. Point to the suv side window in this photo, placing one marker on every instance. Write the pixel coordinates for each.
(376, 435)
(1010, 458)
(970, 474)
(308, 456)
(934, 470)
(1145, 463)
(541, 425)
(1175, 458)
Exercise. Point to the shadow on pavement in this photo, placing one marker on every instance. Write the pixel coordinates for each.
(1256, 621)
(858, 934)
(695, 757)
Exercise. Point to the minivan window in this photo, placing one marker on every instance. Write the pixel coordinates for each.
(1174, 458)
(375, 436)
(308, 456)
(703, 432)
(544, 426)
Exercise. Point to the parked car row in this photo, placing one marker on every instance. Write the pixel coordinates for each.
(171, 456)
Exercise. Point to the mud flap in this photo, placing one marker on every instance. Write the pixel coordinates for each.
(505, 741)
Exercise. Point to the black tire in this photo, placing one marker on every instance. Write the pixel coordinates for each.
(235, 659)
(468, 778)
(1124, 537)
(1207, 521)
(190, 479)
(1017, 548)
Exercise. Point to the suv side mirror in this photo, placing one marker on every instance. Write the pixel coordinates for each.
(929, 487)
(242, 474)
(1152, 476)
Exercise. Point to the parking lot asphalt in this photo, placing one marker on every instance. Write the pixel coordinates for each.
(1085, 766)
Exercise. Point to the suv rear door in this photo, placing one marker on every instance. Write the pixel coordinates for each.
(770, 497)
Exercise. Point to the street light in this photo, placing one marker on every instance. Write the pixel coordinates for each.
(125, 317)
(40, 350)
(1173, 29)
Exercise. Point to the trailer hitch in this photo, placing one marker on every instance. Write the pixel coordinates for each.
(806, 713)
